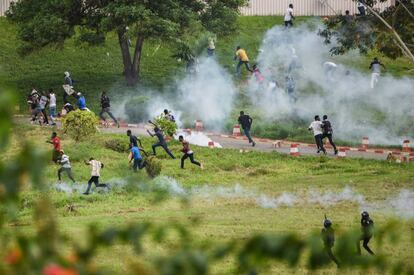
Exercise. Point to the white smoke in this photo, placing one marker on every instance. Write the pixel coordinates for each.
(383, 114)
(197, 138)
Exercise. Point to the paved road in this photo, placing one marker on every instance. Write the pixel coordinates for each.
(230, 142)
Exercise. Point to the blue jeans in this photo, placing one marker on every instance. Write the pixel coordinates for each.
(238, 68)
(138, 164)
(52, 111)
(247, 133)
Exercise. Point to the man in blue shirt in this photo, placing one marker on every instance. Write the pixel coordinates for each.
(81, 102)
(137, 158)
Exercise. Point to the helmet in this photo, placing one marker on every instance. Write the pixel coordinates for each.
(365, 214)
(327, 223)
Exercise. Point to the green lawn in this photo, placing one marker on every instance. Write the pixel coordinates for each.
(224, 218)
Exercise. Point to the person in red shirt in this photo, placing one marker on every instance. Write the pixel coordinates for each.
(187, 153)
(56, 147)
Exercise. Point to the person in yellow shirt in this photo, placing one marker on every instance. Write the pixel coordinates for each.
(243, 59)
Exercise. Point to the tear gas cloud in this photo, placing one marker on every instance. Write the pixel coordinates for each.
(207, 95)
(401, 204)
(384, 114)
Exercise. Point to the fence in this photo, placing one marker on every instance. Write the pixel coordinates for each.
(305, 7)
(4, 6)
(278, 7)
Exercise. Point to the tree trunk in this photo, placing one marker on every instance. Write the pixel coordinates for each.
(136, 63)
(130, 73)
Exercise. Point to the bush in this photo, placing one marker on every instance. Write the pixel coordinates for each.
(153, 166)
(117, 145)
(136, 109)
(167, 126)
(80, 124)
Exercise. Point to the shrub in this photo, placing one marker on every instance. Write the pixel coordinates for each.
(80, 124)
(153, 166)
(117, 145)
(167, 126)
(136, 109)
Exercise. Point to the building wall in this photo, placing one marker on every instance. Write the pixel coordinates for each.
(304, 7)
(4, 6)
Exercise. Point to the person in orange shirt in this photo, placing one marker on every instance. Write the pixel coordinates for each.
(243, 59)
(55, 141)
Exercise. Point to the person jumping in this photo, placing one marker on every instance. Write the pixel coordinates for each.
(161, 141)
(95, 174)
(316, 127)
(246, 123)
(66, 167)
(187, 153)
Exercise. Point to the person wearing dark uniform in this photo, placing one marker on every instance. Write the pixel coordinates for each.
(328, 238)
(367, 231)
(133, 140)
(106, 108)
(327, 132)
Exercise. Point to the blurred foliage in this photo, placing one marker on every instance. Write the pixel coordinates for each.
(366, 33)
(80, 124)
(117, 145)
(153, 166)
(167, 126)
(47, 250)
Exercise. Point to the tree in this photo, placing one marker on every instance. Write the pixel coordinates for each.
(389, 31)
(49, 22)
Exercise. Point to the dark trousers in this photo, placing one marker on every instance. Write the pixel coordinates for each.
(45, 116)
(329, 136)
(191, 157)
(247, 133)
(68, 172)
(238, 68)
(94, 179)
(365, 240)
(108, 111)
(138, 164)
(288, 24)
(164, 146)
(319, 143)
(331, 256)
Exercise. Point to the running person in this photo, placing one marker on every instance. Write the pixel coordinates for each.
(42, 105)
(289, 16)
(66, 167)
(137, 158)
(327, 132)
(161, 141)
(55, 141)
(375, 68)
(367, 228)
(243, 59)
(95, 174)
(328, 238)
(133, 140)
(106, 108)
(246, 122)
(187, 153)
(316, 127)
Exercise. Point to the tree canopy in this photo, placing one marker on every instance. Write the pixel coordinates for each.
(389, 31)
(49, 22)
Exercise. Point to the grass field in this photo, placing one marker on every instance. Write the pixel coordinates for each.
(221, 218)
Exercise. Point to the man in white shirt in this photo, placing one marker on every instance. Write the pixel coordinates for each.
(316, 127)
(66, 167)
(95, 174)
(289, 16)
(52, 106)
